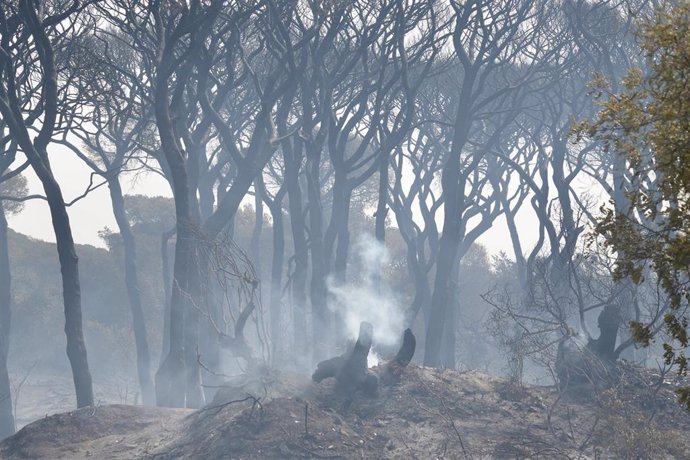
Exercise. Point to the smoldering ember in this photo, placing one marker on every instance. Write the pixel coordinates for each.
(411, 229)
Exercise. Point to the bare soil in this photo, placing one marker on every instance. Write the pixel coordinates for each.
(430, 414)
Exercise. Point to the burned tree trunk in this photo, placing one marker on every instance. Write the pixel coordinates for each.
(393, 370)
(351, 371)
(609, 322)
(593, 363)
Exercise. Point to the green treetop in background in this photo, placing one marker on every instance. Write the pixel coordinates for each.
(647, 124)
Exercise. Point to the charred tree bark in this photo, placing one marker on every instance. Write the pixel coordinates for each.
(6, 416)
(350, 370)
(394, 368)
(609, 322)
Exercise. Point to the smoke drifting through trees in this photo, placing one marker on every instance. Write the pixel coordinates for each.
(382, 139)
(368, 298)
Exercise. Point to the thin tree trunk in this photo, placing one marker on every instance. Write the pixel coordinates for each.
(6, 417)
(133, 294)
(382, 208)
(381, 213)
(338, 235)
(193, 390)
(209, 346)
(451, 323)
(196, 299)
(167, 287)
(422, 291)
(277, 260)
(321, 326)
(299, 277)
(255, 243)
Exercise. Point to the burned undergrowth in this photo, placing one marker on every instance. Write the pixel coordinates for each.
(429, 413)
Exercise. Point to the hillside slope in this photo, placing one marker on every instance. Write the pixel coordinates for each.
(430, 414)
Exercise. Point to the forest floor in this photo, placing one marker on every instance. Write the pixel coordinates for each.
(430, 414)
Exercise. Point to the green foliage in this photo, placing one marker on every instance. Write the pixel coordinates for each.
(641, 333)
(647, 126)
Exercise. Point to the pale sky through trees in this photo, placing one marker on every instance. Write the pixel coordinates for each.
(92, 213)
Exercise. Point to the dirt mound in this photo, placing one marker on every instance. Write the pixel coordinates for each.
(115, 431)
(430, 413)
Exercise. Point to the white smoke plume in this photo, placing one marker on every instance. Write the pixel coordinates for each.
(365, 299)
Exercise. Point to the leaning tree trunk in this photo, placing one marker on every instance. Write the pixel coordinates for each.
(69, 267)
(37, 154)
(6, 417)
(133, 294)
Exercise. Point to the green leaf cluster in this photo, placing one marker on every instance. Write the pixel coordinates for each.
(647, 125)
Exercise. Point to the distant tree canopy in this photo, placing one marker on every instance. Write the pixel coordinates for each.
(647, 124)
